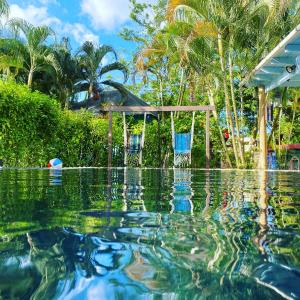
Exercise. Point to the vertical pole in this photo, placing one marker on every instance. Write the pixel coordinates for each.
(263, 148)
(173, 137)
(207, 139)
(192, 136)
(125, 139)
(143, 140)
(110, 139)
(159, 140)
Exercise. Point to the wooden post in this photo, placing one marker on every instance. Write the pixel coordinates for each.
(263, 145)
(159, 140)
(207, 139)
(125, 139)
(110, 139)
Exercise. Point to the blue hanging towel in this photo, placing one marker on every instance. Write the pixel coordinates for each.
(135, 143)
(182, 143)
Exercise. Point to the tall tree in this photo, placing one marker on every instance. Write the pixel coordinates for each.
(32, 46)
(91, 59)
(70, 70)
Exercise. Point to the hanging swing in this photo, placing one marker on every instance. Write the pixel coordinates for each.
(182, 145)
(133, 146)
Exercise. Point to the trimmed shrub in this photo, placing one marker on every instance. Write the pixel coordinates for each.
(33, 129)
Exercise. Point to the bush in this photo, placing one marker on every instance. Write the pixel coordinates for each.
(34, 129)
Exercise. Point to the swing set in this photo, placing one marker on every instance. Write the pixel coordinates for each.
(182, 142)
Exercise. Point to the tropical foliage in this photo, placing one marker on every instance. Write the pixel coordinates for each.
(189, 52)
(207, 48)
(31, 54)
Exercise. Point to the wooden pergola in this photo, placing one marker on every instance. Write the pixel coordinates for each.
(149, 109)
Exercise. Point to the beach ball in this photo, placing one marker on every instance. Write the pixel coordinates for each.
(55, 163)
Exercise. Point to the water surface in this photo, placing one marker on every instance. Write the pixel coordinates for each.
(149, 234)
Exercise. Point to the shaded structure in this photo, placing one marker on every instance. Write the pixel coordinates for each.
(151, 109)
(280, 68)
(108, 97)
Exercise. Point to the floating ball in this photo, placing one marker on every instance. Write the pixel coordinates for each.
(55, 163)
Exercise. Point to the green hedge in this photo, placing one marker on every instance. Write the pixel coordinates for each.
(34, 129)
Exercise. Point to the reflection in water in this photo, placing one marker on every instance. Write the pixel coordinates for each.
(279, 277)
(260, 239)
(55, 176)
(133, 190)
(182, 191)
(102, 235)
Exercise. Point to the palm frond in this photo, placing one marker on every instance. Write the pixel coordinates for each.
(171, 7)
(18, 25)
(118, 86)
(4, 8)
(116, 66)
(51, 60)
(104, 50)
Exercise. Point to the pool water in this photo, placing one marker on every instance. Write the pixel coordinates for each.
(149, 234)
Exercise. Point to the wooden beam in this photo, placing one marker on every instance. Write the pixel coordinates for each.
(157, 108)
(110, 139)
(262, 123)
(207, 139)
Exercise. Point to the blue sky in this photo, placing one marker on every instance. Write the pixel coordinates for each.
(81, 20)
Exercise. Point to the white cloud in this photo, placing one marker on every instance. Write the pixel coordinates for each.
(80, 33)
(108, 14)
(48, 2)
(33, 14)
(40, 16)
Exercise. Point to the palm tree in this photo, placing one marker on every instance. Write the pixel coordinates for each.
(4, 8)
(211, 18)
(31, 46)
(70, 70)
(91, 61)
(236, 24)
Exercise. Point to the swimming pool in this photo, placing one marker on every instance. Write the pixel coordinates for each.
(149, 234)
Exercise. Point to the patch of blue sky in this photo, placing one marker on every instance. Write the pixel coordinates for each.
(99, 21)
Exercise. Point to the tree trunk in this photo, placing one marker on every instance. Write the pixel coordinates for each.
(90, 89)
(237, 125)
(181, 91)
(161, 93)
(274, 125)
(263, 148)
(215, 114)
(30, 77)
(242, 120)
(279, 132)
(292, 127)
(227, 102)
